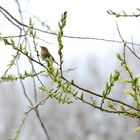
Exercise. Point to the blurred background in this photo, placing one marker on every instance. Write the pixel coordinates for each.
(92, 60)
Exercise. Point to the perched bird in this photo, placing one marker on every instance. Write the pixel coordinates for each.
(45, 54)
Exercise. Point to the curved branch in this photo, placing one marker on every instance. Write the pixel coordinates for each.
(66, 36)
(88, 91)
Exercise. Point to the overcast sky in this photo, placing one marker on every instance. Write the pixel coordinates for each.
(87, 18)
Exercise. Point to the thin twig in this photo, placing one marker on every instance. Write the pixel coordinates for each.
(34, 83)
(66, 36)
(88, 91)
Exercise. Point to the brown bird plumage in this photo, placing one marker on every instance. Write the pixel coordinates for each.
(45, 54)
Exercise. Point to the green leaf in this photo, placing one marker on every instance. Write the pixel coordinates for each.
(129, 93)
(42, 88)
(82, 96)
(125, 81)
(110, 105)
(122, 107)
(75, 94)
(6, 42)
(119, 56)
(137, 129)
(94, 103)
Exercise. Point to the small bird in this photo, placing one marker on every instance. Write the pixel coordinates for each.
(45, 54)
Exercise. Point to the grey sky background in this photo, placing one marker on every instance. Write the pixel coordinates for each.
(94, 61)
